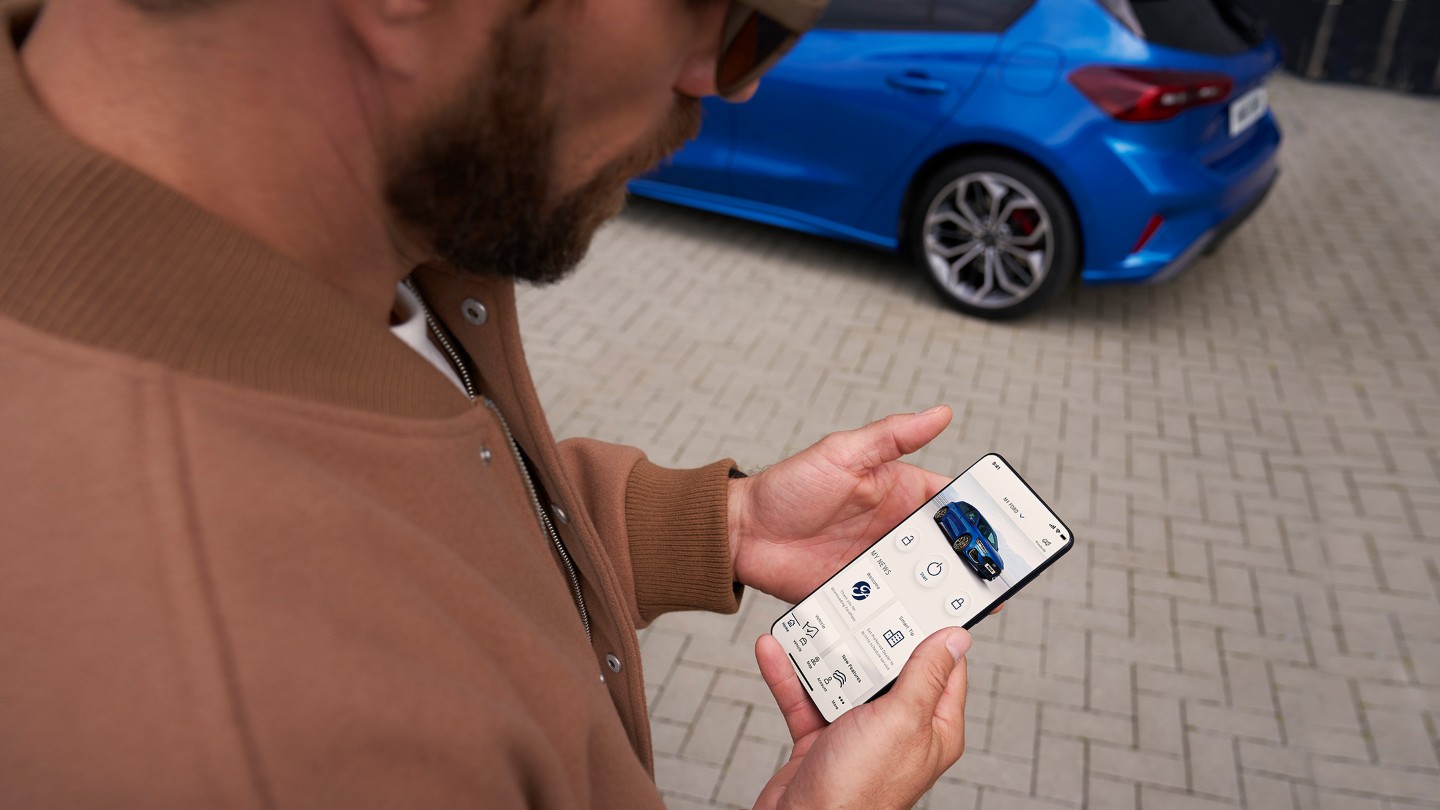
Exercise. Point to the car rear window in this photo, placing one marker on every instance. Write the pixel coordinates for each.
(977, 15)
(890, 15)
(923, 15)
(1220, 27)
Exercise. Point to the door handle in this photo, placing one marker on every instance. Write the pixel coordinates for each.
(914, 81)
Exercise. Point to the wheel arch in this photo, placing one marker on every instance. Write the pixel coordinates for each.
(933, 164)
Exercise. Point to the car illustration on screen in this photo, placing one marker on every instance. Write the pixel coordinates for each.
(967, 531)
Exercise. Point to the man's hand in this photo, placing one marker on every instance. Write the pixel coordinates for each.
(798, 522)
(884, 754)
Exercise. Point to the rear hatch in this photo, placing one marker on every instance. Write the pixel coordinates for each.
(1215, 27)
(1211, 36)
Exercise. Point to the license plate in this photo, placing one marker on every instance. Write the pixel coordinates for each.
(1247, 109)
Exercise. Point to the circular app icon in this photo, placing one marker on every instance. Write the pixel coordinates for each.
(906, 542)
(860, 591)
(930, 571)
(958, 603)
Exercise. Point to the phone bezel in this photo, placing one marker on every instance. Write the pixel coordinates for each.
(1062, 551)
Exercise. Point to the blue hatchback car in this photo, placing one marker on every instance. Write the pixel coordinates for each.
(1009, 146)
(967, 531)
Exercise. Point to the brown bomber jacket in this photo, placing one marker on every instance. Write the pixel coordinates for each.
(252, 550)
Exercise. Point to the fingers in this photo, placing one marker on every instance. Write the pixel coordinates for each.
(888, 439)
(801, 716)
(932, 686)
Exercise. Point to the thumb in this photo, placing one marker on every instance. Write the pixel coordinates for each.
(922, 428)
(889, 439)
(801, 716)
(930, 686)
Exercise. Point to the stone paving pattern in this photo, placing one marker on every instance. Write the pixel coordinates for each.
(1250, 456)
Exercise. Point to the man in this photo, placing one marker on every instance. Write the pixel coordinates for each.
(260, 552)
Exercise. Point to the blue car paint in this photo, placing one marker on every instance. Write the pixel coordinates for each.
(956, 525)
(846, 125)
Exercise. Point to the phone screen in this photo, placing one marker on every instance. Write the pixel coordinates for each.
(980, 539)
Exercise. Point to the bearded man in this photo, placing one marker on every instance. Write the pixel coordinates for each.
(285, 525)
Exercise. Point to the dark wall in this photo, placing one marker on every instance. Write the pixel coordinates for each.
(1388, 43)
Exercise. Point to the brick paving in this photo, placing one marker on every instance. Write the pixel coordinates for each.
(1250, 456)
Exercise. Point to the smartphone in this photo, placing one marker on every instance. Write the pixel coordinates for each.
(983, 537)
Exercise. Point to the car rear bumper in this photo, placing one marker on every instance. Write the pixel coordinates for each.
(1201, 204)
(1214, 236)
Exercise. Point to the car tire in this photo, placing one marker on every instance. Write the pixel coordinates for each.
(1009, 257)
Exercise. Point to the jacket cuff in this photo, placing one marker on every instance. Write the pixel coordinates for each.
(679, 539)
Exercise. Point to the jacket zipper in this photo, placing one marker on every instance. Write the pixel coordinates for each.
(545, 519)
(545, 523)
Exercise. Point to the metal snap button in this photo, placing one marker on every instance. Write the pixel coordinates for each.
(612, 661)
(474, 312)
(485, 454)
(560, 515)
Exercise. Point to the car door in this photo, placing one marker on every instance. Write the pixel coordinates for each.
(704, 163)
(839, 116)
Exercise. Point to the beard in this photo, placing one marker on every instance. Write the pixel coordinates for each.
(474, 184)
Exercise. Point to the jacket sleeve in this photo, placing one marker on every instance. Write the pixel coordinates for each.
(666, 529)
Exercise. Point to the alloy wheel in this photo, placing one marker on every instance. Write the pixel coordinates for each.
(988, 240)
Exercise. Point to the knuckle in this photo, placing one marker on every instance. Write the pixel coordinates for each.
(831, 444)
(939, 672)
(933, 674)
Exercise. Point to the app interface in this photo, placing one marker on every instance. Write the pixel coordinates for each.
(955, 557)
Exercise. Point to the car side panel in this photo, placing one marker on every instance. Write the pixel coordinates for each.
(846, 111)
(704, 164)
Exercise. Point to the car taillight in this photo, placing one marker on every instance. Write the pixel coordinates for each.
(1133, 94)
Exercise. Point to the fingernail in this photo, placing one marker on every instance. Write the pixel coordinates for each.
(958, 644)
(935, 409)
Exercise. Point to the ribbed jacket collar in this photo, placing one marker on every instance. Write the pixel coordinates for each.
(95, 252)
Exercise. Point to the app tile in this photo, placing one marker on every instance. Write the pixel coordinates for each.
(855, 680)
(858, 594)
(829, 681)
(836, 680)
(889, 639)
(807, 630)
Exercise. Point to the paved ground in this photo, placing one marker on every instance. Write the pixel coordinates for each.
(1250, 456)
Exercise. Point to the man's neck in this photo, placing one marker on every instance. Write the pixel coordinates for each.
(271, 136)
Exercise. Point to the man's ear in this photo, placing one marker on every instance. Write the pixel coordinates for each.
(394, 34)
